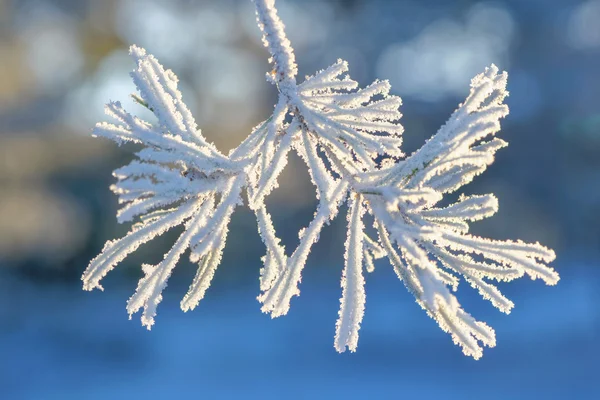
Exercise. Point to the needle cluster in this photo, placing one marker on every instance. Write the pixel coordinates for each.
(350, 139)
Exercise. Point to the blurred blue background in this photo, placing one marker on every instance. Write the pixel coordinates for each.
(61, 60)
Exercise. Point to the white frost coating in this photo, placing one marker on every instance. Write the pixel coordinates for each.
(276, 41)
(115, 251)
(319, 174)
(177, 168)
(273, 161)
(275, 260)
(276, 300)
(349, 139)
(158, 88)
(352, 304)
(345, 119)
(149, 290)
(454, 156)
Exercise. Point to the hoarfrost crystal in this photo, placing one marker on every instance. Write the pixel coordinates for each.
(350, 140)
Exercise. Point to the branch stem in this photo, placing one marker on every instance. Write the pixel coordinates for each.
(274, 38)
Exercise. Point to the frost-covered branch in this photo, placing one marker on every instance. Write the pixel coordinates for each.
(274, 38)
(353, 282)
(350, 139)
(176, 168)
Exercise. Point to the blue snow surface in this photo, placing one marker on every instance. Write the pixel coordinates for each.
(58, 342)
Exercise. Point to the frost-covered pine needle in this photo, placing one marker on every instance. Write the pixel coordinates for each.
(350, 140)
